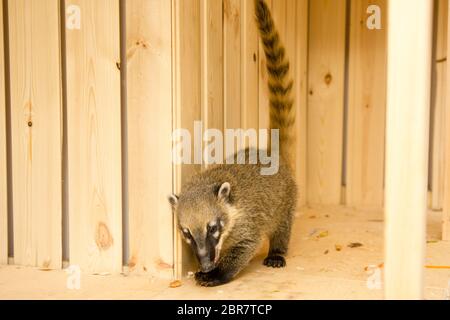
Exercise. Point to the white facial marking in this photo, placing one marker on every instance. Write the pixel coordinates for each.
(213, 223)
(185, 230)
(222, 223)
(202, 252)
(188, 241)
(216, 234)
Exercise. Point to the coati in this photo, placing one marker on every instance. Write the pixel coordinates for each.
(225, 211)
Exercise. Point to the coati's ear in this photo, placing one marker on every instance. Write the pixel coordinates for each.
(173, 200)
(224, 191)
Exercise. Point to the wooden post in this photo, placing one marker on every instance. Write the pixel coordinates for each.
(249, 69)
(301, 93)
(366, 108)
(94, 138)
(326, 77)
(438, 121)
(186, 77)
(149, 70)
(3, 187)
(408, 102)
(36, 131)
(446, 200)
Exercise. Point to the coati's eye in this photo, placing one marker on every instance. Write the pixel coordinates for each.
(186, 233)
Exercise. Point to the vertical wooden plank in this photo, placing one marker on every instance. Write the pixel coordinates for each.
(438, 105)
(326, 100)
(249, 68)
(187, 97)
(94, 138)
(301, 91)
(149, 69)
(446, 115)
(232, 64)
(263, 90)
(36, 131)
(212, 64)
(3, 187)
(407, 132)
(280, 18)
(366, 107)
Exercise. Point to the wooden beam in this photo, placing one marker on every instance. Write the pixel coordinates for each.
(212, 64)
(439, 88)
(366, 107)
(249, 69)
(326, 101)
(149, 93)
(232, 64)
(3, 183)
(36, 131)
(446, 196)
(187, 99)
(300, 73)
(407, 132)
(263, 90)
(94, 138)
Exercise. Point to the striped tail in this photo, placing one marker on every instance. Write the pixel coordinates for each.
(282, 113)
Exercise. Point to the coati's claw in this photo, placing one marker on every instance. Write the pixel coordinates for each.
(275, 261)
(210, 279)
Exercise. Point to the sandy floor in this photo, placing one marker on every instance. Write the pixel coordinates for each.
(315, 268)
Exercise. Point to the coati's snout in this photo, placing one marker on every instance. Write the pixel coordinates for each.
(205, 243)
(202, 222)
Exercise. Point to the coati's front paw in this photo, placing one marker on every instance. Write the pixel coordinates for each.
(275, 261)
(210, 279)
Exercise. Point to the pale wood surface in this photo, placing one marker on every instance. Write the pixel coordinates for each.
(94, 138)
(186, 77)
(3, 187)
(36, 131)
(250, 67)
(149, 113)
(325, 100)
(300, 74)
(439, 88)
(366, 108)
(232, 64)
(408, 101)
(263, 95)
(212, 64)
(446, 196)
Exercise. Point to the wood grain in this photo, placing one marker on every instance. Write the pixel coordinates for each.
(301, 93)
(439, 96)
(149, 113)
(212, 64)
(263, 90)
(249, 68)
(232, 65)
(36, 131)
(366, 108)
(3, 177)
(326, 100)
(446, 195)
(187, 99)
(407, 141)
(94, 138)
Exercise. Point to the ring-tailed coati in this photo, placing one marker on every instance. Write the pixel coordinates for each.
(225, 211)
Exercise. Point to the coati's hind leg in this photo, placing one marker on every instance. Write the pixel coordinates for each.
(233, 261)
(279, 242)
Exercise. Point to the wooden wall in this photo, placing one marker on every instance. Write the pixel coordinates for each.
(3, 174)
(91, 111)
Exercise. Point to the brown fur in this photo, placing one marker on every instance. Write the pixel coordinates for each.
(255, 206)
